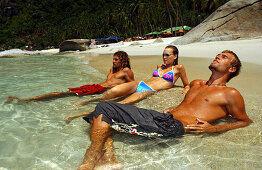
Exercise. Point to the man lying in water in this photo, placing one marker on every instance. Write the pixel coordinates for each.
(205, 102)
(120, 73)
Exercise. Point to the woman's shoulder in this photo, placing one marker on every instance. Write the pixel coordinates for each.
(179, 66)
(159, 66)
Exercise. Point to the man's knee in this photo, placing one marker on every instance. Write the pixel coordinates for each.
(98, 122)
(100, 129)
(114, 92)
(102, 104)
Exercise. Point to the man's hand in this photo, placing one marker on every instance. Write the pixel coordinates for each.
(167, 111)
(185, 90)
(200, 127)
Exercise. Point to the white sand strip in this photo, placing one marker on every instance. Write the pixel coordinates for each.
(247, 50)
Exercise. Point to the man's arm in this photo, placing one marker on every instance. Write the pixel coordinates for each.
(110, 72)
(184, 79)
(235, 107)
(192, 83)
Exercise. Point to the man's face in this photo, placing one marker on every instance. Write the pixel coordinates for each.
(222, 62)
(116, 62)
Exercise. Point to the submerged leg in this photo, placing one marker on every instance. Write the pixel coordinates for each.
(70, 118)
(86, 101)
(100, 132)
(137, 96)
(108, 160)
(117, 91)
(45, 96)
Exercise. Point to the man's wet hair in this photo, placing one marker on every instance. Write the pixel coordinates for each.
(124, 59)
(175, 52)
(234, 63)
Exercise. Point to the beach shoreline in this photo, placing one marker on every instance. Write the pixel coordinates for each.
(248, 50)
(29, 129)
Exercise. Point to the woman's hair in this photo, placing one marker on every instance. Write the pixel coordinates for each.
(175, 52)
(124, 59)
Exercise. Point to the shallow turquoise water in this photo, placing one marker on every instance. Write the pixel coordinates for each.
(34, 135)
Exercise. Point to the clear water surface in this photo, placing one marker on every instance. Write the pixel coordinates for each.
(34, 135)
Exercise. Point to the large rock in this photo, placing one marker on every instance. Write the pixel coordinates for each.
(74, 45)
(235, 19)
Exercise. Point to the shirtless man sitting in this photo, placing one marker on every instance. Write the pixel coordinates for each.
(120, 73)
(205, 102)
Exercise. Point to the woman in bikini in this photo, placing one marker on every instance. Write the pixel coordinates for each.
(163, 78)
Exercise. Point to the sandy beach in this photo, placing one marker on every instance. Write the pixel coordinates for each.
(35, 135)
(248, 50)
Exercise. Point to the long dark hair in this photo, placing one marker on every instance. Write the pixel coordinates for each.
(124, 60)
(175, 52)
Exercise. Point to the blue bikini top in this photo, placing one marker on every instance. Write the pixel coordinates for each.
(169, 76)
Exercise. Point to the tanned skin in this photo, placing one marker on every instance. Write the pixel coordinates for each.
(156, 83)
(205, 102)
(121, 75)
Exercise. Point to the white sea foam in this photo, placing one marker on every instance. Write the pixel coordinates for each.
(17, 51)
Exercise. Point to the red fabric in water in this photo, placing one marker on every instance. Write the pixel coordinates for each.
(88, 89)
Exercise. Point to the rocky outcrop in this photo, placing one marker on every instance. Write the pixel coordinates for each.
(74, 45)
(235, 19)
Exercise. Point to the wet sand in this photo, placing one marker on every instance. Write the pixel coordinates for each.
(248, 82)
(236, 149)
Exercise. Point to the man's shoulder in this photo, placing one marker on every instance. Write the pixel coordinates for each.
(232, 92)
(126, 69)
(197, 82)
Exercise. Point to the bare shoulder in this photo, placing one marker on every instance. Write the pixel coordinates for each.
(197, 82)
(232, 93)
(126, 69)
(179, 66)
(159, 65)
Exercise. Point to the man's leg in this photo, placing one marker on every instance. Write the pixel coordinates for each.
(70, 118)
(117, 91)
(100, 132)
(45, 96)
(108, 160)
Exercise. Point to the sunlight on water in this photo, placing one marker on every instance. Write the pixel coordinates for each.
(34, 135)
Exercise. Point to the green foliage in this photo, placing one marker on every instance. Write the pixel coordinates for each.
(46, 23)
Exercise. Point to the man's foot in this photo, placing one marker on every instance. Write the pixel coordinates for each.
(84, 167)
(68, 119)
(11, 98)
(109, 167)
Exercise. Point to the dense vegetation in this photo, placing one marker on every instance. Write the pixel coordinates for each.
(46, 23)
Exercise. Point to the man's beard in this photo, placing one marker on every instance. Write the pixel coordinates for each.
(115, 69)
(211, 67)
